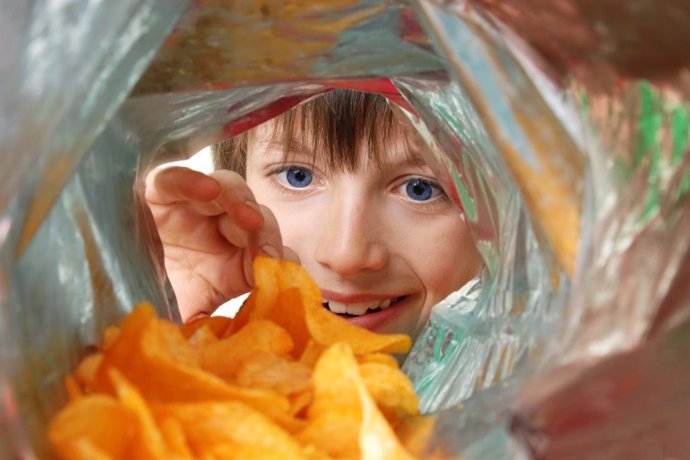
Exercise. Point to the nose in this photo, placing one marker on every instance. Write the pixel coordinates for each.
(351, 238)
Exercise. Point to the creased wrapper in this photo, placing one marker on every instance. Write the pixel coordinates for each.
(560, 130)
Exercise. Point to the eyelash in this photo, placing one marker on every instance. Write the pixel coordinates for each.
(441, 199)
(275, 182)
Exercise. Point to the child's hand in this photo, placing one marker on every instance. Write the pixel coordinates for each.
(211, 227)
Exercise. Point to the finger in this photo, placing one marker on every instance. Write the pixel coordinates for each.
(267, 240)
(291, 255)
(237, 199)
(175, 183)
(248, 268)
(236, 235)
(210, 195)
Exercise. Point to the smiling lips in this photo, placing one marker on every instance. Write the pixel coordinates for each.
(359, 308)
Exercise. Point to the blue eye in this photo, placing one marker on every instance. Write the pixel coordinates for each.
(419, 190)
(298, 177)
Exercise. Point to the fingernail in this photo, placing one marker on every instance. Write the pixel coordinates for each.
(270, 250)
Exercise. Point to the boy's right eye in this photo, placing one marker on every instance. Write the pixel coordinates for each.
(296, 177)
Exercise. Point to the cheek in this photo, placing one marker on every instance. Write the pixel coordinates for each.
(294, 226)
(290, 216)
(297, 223)
(449, 260)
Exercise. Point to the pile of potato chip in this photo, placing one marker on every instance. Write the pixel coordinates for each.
(285, 378)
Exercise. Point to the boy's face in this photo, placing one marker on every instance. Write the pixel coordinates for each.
(383, 244)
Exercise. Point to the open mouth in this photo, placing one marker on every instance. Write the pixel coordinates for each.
(352, 310)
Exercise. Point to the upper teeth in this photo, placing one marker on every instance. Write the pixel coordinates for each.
(356, 309)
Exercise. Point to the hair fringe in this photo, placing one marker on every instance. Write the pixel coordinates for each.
(341, 122)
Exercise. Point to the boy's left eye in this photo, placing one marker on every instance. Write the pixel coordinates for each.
(418, 189)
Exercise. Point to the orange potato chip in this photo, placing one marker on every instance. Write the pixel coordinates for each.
(110, 334)
(328, 329)
(289, 313)
(202, 337)
(87, 370)
(311, 353)
(263, 297)
(84, 449)
(289, 423)
(415, 433)
(324, 326)
(273, 372)
(97, 423)
(377, 440)
(299, 402)
(284, 379)
(73, 388)
(311, 452)
(344, 420)
(175, 439)
(167, 369)
(335, 433)
(333, 381)
(149, 440)
(218, 325)
(282, 305)
(213, 425)
(335, 413)
(244, 452)
(390, 388)
(381, 358)
(224, 357)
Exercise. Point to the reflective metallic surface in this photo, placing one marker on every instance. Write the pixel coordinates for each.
(222, 43)
(560, 128)
(478, 335)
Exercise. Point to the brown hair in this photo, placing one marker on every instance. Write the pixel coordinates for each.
(340, 121)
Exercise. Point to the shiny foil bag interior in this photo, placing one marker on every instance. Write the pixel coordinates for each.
(561, 129)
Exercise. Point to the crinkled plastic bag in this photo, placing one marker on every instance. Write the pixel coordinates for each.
(561, 131)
